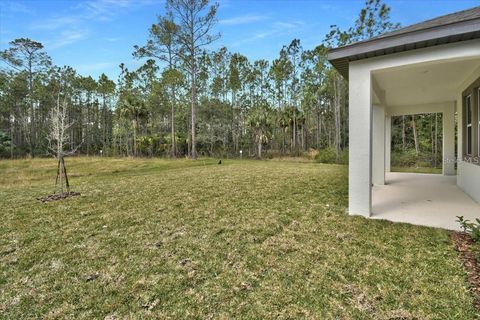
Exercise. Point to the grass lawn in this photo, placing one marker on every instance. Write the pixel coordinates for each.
(417, 170)
(167, 239)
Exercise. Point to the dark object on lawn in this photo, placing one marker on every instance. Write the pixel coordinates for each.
(58, 196)
(220, 162)
(464, 245)
(92, 277)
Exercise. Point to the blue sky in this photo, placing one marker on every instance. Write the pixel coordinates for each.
(95, 36)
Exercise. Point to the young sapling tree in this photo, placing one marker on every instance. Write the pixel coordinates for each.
(58, 127)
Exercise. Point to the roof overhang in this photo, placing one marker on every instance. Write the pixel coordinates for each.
(454, 32)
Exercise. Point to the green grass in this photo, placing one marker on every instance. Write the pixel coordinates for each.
(193, 239)
(417, 170)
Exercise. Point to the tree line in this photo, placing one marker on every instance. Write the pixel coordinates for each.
(185, 100)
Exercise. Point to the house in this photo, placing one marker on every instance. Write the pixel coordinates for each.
(429, 67)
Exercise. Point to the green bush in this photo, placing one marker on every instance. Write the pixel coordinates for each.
(472, 228)
(404, 159)
(5, 144)
(344, 156)
(327, 155)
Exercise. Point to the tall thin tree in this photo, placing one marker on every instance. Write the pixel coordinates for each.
(195, 20)
(163, 45)
(25, 55)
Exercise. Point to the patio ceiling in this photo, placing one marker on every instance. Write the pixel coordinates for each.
(424, 83)
(459, 26)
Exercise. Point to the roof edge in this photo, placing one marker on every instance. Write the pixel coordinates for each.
(431, 33)
(393, 33)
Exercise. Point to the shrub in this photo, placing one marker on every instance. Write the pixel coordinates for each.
(472, 228)
(327, 155)
(404, 159)
(344, 156)
(5, 144)
(311, 154)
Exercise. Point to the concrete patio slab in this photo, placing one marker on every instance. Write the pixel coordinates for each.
(422, 199)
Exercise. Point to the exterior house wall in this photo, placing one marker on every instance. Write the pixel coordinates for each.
(378, 145)
(362, 113)
(388, 142)
(360, 141)
(468, 174)
(468, 179)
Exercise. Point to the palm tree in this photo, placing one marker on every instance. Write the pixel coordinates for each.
(133, 108)
(260, 120)
(284, 121)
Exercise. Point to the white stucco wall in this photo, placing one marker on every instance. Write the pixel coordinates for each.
(378, 145)
(468, 179)
(449, 139)
(361, 115)
(388, 143)
(360, 141)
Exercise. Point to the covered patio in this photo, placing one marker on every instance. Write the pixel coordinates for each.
(421, 69)
(423, 199)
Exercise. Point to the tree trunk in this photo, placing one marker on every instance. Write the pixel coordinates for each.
(194, 120)
(61, 182)
(294, 131)
(415, 138)
(317, 136)
(32, 109)
(259, 146)
(87, 130)
(135, 137)
(12, 125)
(337, 106)
(432, 142)
(403, 133)
(174, 141)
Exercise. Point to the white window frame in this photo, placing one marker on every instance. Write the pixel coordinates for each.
(478, 127)
(468, 101)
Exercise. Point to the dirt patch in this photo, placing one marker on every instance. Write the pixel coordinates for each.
(464, 244)
(58, 196)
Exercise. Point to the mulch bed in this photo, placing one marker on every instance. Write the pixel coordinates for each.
(464, 245)
(58, 196)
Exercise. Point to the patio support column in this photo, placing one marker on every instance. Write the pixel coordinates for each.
(378, 145)
(388, 142)
(360, 141)
(449, 139)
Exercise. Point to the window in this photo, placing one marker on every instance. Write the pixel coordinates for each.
(469, 118)
(471, 123)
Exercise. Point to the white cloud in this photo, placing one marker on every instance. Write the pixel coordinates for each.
(112, 39)
(66, 37)
(55, 23)
(276, 29)
(289, 25)
(64, 30)
(107, 9)
(10, 7)
(242, 20)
